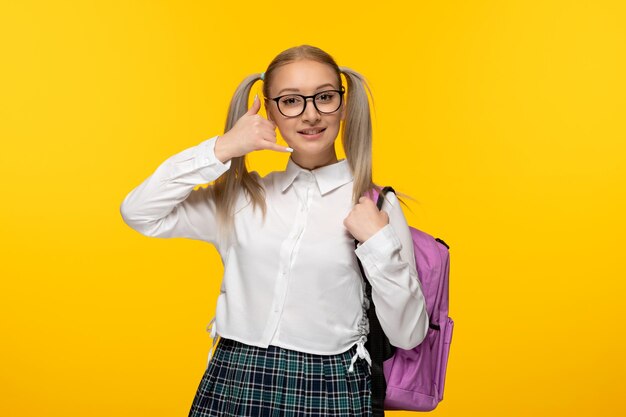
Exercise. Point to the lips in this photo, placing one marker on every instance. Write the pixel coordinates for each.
(312, 131)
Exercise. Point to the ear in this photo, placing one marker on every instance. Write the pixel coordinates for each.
(267, 109)
(343, 110)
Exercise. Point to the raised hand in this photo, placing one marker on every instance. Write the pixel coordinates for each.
(252, 132)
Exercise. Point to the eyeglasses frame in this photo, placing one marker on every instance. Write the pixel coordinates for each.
(305, 98)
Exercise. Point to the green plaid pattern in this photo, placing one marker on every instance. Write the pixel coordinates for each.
(245, 380)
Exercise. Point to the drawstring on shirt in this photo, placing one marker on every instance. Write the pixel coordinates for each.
(364, 329)
(361, 352)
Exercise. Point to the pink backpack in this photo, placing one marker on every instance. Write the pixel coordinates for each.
(414, 379)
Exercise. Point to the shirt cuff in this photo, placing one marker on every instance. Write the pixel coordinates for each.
(197, 165)
(206, 155)
(380, 246)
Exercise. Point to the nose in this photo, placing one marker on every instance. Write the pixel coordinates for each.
(310, 112)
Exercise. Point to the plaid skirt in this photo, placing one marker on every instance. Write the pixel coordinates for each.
(245, 380)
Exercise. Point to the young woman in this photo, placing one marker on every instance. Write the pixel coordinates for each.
(292, 312)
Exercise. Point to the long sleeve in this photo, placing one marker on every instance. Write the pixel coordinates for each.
(389, 263)
(166, 205)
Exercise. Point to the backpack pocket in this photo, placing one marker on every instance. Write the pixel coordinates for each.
(442, 356)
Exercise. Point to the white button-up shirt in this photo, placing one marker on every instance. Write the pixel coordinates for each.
(292, 281)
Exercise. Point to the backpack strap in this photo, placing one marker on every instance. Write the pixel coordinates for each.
(381, 196)
(377, 344)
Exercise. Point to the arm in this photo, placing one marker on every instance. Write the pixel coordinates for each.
(166, 205)
(389, 263)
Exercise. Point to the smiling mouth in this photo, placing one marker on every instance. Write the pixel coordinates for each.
(312, 131)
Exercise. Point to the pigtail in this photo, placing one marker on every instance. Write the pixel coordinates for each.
(357, 135)
(227, 187)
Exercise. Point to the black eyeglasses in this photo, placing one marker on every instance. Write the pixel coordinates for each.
(293, 105)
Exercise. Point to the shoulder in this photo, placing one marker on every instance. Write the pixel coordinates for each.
(393, 206)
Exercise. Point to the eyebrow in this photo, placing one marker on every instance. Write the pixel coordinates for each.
(296, 90)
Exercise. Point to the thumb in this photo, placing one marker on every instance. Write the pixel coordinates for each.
(256, 105)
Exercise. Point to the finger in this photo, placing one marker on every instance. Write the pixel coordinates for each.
(256, 105)
(270, 136)
(275, 147)
(281, 148)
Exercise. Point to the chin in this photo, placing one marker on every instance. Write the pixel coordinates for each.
(311, 146)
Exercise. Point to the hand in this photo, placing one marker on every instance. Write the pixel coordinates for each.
(364, 220)
(251, 132)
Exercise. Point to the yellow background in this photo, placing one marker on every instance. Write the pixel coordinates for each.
(505, 120)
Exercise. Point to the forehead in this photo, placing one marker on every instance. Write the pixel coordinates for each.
(304, 77)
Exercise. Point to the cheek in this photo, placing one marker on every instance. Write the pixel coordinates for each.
(278, 121)
(286, 126)
(336, 124)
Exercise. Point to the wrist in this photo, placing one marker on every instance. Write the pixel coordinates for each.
(222, 149)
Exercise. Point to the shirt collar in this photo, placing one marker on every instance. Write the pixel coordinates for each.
(327, 177)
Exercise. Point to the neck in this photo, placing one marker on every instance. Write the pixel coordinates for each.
(312, 162)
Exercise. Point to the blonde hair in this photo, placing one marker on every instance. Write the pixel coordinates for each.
(356, 138)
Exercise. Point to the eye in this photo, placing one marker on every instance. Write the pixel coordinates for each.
(289, 101)
(326, 96)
